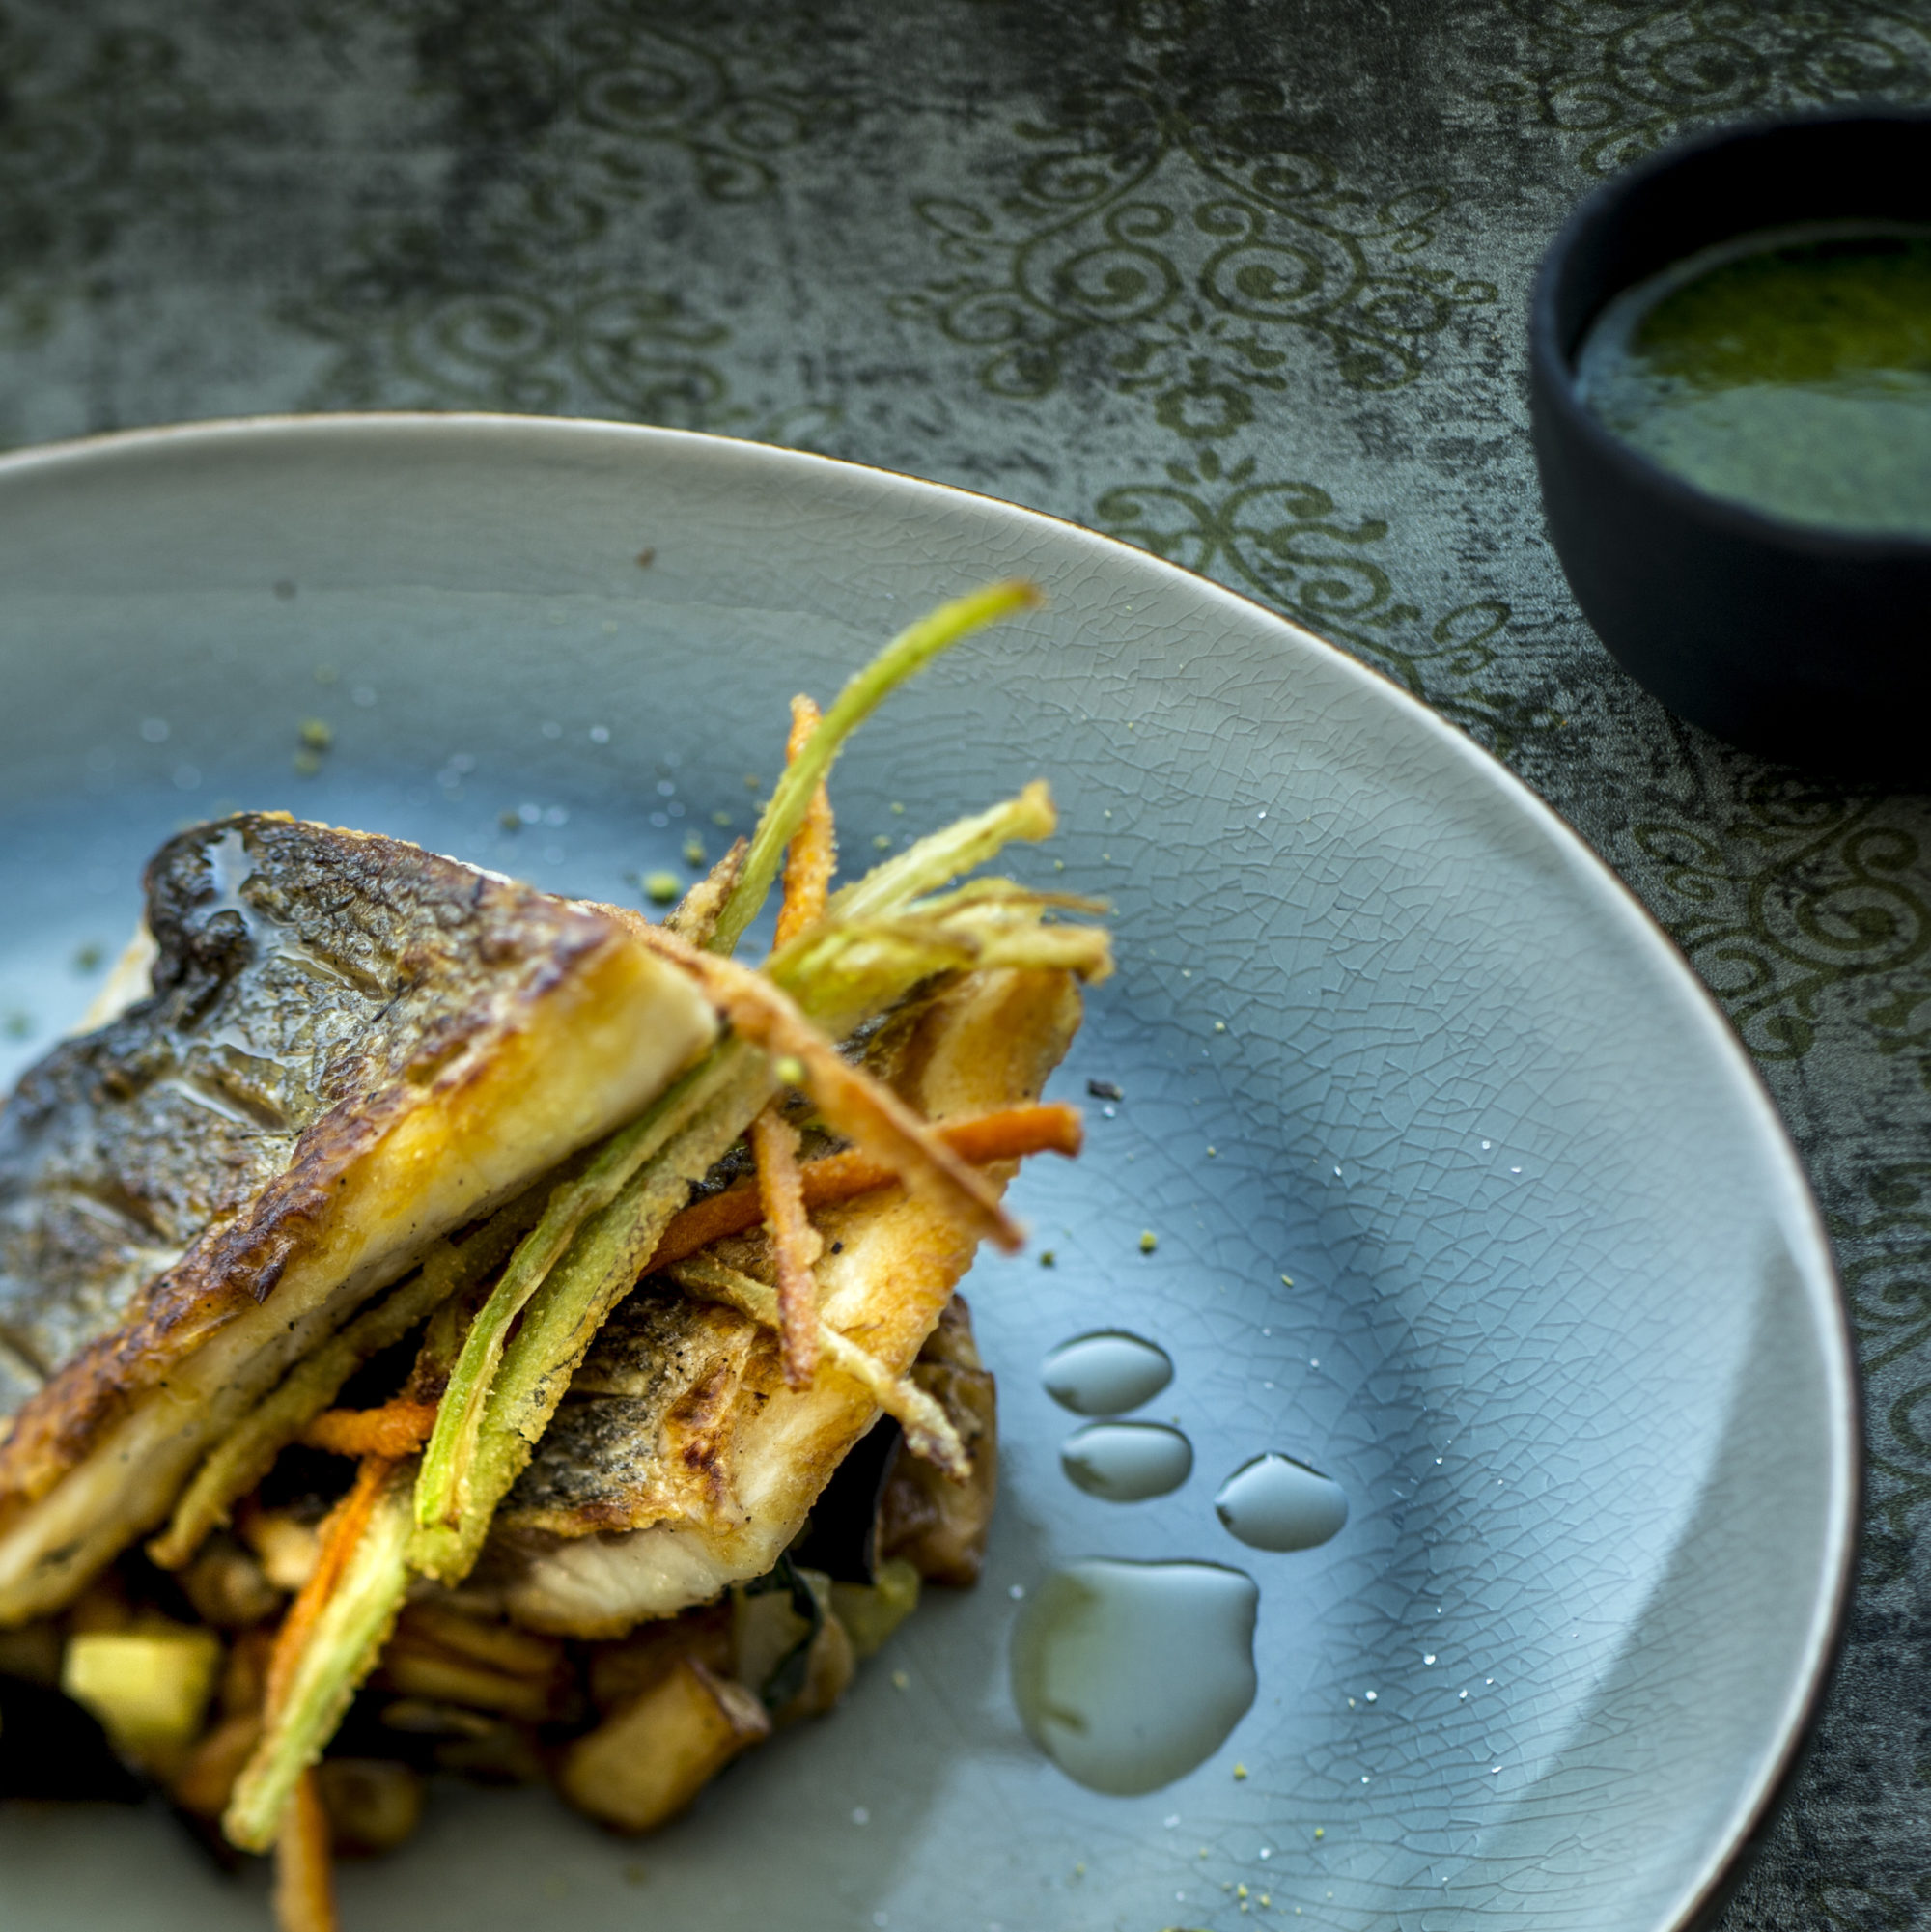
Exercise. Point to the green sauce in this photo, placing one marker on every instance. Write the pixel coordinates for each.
(1790, 372)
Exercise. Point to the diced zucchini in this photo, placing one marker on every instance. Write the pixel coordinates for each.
(148, 1686)
(871, 1612)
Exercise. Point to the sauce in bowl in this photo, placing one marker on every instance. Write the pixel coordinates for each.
(1789, 371)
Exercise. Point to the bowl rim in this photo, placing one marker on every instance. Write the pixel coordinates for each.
(1770, 1780)
(1551, 370)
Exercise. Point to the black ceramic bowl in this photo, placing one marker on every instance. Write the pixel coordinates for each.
(1806, 643)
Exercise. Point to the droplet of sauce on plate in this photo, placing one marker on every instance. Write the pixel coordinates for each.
(1126, 1462)
(1276, 1503)
(1128, 1676)
(1107, 1373)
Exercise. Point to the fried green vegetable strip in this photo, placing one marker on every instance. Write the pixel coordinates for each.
(340, 1650)
(695, 916)
(944, 854)
(596, 1230)
(928, 1429)
(456, 1495)
(246, 1454)
(844, 972)
(561, 1319)
(451, 1450)
(907, 655)
(850, 1099)
(451, 1454)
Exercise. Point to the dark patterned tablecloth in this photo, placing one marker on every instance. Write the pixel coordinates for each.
(1241, 283)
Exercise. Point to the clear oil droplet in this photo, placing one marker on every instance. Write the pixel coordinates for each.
(1106, 1373)
(1128, 1676)
(1274, 1503)
(1126, 1462)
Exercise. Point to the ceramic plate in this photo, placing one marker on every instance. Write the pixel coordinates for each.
(1461, 1192)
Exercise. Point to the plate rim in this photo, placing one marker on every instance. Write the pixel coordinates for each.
(1769, 1784)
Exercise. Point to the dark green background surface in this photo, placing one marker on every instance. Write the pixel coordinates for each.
(1243, 284)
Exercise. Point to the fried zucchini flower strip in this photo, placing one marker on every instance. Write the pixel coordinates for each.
(863, 1109)
(812, 857)
(796, 1244)
(246, 1454)
(695, 917)
(446, 1496)
(907, 655)
(809, 862)
(501, 1381)
(337, 1626)
(329, 1641)
(305, 1886)
(394, 1429)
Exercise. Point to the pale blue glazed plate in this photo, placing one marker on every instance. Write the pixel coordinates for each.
(1562, 1321)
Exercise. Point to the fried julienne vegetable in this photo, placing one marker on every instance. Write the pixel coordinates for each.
(626, 1388)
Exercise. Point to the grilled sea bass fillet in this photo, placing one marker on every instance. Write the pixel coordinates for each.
(352, 1046)
(682, 1462)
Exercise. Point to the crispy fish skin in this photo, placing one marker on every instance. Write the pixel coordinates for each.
(682, 1462)
(352, 1046)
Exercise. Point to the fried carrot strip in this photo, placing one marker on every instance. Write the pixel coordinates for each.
(809, 859)
(339, 1533)
(857, 1103)
(832, 1178)
(812, 857)
(391, 1431)
(928, 1429)
(796, 1244)
(304, 1886)
(695, 917)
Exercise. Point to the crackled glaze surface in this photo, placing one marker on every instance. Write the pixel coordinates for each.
(1238, 283)
(1432, 1165)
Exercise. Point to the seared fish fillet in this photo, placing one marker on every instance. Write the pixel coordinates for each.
(352, 1046)
(682, 1462)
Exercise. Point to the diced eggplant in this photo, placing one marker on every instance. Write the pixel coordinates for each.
(650, 1758)
(633, 1664)
(374, 1805)
(788, 1645)
(33, 1652)
(772, 1624)
(842, 1537)
(828, 1668)
(939, 1526)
